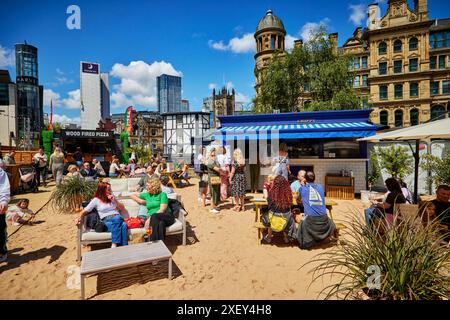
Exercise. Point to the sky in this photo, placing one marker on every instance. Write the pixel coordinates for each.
(209, 43)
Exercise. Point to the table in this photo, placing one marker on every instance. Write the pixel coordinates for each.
(169, 175)
(259, 203)
(99, 261)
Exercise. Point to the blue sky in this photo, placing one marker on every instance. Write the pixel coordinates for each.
(210, 43)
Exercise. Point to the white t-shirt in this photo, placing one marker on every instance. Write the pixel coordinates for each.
(113, 168)
(104, 209)
(42, 158)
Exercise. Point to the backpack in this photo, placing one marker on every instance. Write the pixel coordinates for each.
(93, 220)
(175, 207)
(277, 221)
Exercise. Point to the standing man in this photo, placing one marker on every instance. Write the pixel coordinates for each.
(78, 157)
(281, 163)
(5, 194)
(40, 164)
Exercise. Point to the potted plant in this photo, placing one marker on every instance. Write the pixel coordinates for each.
(408, 261)
(70, 194)
(396, 160)
(439, 169)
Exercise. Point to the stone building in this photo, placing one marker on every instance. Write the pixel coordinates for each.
(223, 104)
(401, 61)
(147, 129)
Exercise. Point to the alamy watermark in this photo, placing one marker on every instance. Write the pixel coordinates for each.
(373, 277)
(74, 20)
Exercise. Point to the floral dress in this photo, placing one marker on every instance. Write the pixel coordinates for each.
(239, 182)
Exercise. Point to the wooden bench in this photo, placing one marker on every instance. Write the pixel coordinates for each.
(99, 261)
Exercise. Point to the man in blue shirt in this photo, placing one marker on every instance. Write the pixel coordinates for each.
(295, 186)
(313, 196)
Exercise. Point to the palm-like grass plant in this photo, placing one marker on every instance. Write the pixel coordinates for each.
(413, 260)
(69, 195)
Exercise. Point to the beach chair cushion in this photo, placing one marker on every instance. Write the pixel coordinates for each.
(104, 236)
(118, 185)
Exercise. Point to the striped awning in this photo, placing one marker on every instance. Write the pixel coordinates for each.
(295, 131)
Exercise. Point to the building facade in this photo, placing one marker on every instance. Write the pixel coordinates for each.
(147, 129)
(223, 104)
(184, 133)
(401, 62)
(30, 114)
(168, 93)
(94, 95)
(184, 105)
(8, 110)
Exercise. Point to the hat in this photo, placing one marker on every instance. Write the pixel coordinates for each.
(71, 167)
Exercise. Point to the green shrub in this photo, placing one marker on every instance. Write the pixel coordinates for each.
(413, 260)
(69, 195)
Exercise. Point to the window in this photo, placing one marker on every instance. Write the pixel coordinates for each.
(414, 117)
(364, 80)
(356, 82)
(365, 102)
(272, 42)
(382, 68)
(384, 118)
(356, 63)
(399, 118)
(397, 46)
(398, 91)
(437, 112)
(383, 92)
(445, 87)
(364, 62)
(442, 62)
(179, 120)
(413, 44)
(413, 64)
(434, 88)
(153, 132)
(398, 64)
(433, 60)
(382, 48)
(440, 39)
(414, 90)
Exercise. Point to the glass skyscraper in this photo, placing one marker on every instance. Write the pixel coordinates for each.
(30, 113)
(169, 94)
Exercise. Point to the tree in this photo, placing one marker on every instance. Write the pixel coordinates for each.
(143, 154)
(439, 168)
(313, 67)
(375, 172)
(396, 160)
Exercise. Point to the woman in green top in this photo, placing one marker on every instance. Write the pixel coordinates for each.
(214, 171)
(159, 215)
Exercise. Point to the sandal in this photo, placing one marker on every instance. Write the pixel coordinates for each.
(267, 239)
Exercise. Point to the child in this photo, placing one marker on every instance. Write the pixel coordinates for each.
(267, 186)
(17, 214)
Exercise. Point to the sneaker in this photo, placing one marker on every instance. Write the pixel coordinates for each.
(267, 239)
(3, 257)
(214, 211)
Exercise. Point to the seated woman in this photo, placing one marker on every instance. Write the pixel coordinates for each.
(161, 167)
(279, 217)
(184, 175)
(74, 172)
(98, 168)
(315, 227)
(108, 208)
(159, 215)
(129, 169)
(380, 210)
(114, 169)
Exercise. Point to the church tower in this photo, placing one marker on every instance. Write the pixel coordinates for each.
(269, 36)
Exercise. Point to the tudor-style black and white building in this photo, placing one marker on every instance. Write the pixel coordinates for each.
(183, 131)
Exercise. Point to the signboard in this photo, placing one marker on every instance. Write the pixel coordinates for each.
(128, 121)
(89, 68)
(87, 134)
(27, 80)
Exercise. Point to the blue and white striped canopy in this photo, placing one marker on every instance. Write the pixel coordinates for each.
(295, 131)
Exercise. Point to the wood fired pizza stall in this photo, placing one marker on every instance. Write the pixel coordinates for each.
(323, 141)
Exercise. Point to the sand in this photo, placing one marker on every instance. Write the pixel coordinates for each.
(221, 260)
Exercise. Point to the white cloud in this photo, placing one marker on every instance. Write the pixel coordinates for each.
(137, 85)
(311, 27)
(240, 97)
(244, 44)
(7, 57)
(359, 13)
(289, 42)
(212, 86)
(62, 119)
(71, 102)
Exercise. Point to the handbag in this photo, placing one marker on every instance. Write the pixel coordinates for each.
(215, 181)
(277, 222)
(133, 222)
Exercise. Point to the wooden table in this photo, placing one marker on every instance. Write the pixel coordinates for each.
(169, 175)
(99, 261)
(259, 203)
